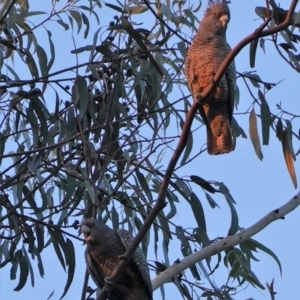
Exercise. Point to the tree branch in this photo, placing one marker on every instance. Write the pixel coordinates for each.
(225, 243)
(5, 9)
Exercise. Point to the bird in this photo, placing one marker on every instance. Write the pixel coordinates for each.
(204, 57)
(104, 247)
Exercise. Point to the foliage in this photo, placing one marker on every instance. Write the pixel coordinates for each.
(91, 139)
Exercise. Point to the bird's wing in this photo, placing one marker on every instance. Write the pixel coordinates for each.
(138, 257)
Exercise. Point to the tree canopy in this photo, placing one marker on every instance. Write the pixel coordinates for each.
(107, 129)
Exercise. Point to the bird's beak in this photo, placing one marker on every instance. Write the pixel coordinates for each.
(224, 20)
(86, 232)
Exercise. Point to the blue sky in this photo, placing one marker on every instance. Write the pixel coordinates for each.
(257, 186)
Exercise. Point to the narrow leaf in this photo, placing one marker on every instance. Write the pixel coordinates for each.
(144, 184)
(42, 55)
(70, 260)
(254, 134)
(204, 184)
(117, 8)
(24, 271)
(189, 146)
(253, 48)
(268, 251)
(54, 239)
(288, 156)
(265, 118)
(198, 211)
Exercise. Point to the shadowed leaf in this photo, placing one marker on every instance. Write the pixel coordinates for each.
(254, 134)
(253, 48)
(265, 118)
(204, 184)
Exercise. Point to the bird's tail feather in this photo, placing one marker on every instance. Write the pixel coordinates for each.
(220, 141)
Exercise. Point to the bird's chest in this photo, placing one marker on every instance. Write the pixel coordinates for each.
(105, 261)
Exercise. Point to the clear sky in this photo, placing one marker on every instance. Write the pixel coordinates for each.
(257, 186)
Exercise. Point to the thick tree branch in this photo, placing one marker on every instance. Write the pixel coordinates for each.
(5, 9)
(226, 243)
(161, 200)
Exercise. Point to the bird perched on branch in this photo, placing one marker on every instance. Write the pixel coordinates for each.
(104, 246)
(204, 57)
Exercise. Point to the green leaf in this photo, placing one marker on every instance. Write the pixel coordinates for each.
(114, 218)
(117, 8)
(166, 11)
(186, 249)
(189, 146)
(40, 265)
(42, 114)
(15, 263)
(253, 48)
(279, 129)
(56, 238)
(234, 226)
(139, 9)
(35, 13)
(254, 78)
(139, 39)
(183, 187)
(172, 198)
(201, 236)
(77, 17)
(12, 71)
(268, 251)
(204, 184)
(237, 130)
(211, 201)
(84, 97)
(50, 296)
(265, 118)
(198, 211)
(32, 119)
(86, 23)
(144, 184)
(2, 145)
(42, 56)
(39, 232)
(24, 271)
(29, 197)
(31, 65)
(70, 261)
(262, 44)
(29, 234)
(52, 51)
(63, 24)
(166, 235)
(254, 134)
(29, 265)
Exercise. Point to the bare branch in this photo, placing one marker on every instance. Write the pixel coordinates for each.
(6, 7)
(226, 243)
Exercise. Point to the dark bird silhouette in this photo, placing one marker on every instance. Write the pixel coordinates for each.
(104, 246)
(204, 57)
